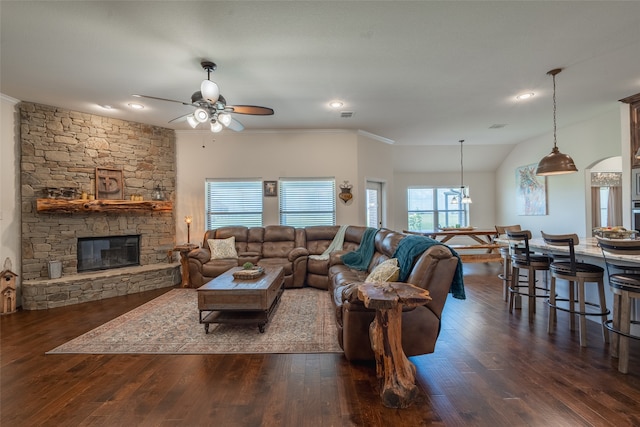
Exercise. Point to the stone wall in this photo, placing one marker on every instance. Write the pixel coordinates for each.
(92, 286)
(61, 148)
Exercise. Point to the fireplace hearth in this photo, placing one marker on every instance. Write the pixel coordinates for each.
(103, 253)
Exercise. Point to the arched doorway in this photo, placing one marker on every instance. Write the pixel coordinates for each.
(604, 194)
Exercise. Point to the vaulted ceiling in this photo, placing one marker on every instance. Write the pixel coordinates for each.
(415, 73)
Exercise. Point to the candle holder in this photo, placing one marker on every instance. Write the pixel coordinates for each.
(188, 220)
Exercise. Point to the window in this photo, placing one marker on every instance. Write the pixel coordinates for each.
(430, 208)
(374, 204)
(233, 202)
(305, 202)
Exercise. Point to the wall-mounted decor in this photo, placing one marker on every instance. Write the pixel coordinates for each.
(270, 188)
(531, 191)
(345, 191)
(109, 184)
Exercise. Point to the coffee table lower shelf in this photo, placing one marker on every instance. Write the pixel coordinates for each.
(244, 317)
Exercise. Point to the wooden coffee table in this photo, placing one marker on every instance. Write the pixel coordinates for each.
(226, 299)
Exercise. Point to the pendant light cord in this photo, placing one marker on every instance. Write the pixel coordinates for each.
(554, 112)
(553, 74)
(461, 169)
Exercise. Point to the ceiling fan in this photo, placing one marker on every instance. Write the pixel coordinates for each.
(211, 107)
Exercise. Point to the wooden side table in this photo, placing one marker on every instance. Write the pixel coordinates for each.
(184, 261)
(396, 374)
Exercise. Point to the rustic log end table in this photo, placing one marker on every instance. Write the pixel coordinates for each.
(226, 299)
(396, 374)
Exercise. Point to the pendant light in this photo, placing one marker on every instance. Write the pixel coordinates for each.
(555, 163)
(464, 198)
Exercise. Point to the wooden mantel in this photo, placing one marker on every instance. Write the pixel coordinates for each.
(72, 206)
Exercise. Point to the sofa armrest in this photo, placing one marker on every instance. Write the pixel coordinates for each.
(297, 253)
(335, 258)
(201, 254)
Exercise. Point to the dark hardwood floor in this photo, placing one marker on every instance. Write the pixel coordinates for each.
(490, 368)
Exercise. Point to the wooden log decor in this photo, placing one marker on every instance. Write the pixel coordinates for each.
(396, 374)
(73, 206)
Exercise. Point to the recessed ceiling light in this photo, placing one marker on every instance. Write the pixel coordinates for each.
(136, 106)
(107, 107)
(524, 96)
(336, 104)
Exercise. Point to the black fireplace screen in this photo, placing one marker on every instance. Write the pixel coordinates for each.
(102, 253)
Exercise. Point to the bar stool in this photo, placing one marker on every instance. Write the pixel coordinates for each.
(625, 286)
(505, 276)
(578, 274)
(523, 258)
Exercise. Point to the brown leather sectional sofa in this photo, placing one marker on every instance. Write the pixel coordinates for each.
(432, 269)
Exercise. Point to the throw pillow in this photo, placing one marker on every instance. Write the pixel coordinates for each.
(387, 271)
(223, 248)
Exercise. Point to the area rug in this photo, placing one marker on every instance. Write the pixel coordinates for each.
(303, 322)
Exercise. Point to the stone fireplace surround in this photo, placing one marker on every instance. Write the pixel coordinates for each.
(62, 148)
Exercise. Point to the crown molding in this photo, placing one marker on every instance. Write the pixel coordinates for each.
(7, 98)
(376, 137)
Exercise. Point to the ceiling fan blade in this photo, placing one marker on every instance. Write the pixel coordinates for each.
(250, 109)
(235, 125)
(179, 118)
(161, 99)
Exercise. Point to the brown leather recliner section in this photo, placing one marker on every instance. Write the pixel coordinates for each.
(266, 246)
(432, 270)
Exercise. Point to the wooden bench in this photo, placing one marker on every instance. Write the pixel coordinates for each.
(489, 256)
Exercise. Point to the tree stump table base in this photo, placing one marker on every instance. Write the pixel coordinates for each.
(396, 374)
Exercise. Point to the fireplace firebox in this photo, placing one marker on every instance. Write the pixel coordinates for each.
(102, 253)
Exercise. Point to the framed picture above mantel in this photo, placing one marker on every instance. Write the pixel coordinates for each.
(109, 184)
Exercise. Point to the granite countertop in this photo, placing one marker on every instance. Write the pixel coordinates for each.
(588, 246)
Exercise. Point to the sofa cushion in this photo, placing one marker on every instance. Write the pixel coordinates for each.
(223, 248)
(387, 271)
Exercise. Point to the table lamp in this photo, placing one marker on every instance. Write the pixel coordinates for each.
(188, 220)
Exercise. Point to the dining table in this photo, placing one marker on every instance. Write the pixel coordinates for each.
(480, 241)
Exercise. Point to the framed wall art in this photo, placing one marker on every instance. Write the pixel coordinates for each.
(270, 188)
(109, 184)
(531, 191)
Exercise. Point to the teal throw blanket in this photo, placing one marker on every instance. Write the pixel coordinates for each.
(361, 257)
(412, 246)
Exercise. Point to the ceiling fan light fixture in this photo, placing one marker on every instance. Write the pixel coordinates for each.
(192, 121)
(201, 115)
(216, 127)
(210, 91)
(225, 119)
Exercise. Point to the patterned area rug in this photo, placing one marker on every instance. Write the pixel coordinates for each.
(303, 322)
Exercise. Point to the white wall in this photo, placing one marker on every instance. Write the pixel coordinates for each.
(270, 156)
(374, 164)
(586, 142)
(9, 187)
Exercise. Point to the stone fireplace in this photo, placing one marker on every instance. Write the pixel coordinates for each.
(61, 148)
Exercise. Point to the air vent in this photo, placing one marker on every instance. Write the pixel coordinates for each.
(497, 126)
(346, 114)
